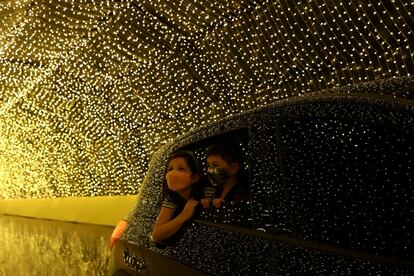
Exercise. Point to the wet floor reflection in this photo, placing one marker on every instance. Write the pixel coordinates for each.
(44, 247)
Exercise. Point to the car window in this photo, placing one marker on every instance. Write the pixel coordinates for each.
(238, 212)
(350, 184)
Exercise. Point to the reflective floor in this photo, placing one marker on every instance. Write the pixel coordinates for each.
(44, 247)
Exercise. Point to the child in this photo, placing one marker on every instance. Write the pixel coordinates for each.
(224, 171)
(182, 190)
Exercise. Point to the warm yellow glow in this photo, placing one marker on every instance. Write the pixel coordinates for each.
(89, 89)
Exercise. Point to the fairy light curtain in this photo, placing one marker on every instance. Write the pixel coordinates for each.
(89, 89)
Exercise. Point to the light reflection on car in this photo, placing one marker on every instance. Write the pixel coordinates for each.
(331, 187)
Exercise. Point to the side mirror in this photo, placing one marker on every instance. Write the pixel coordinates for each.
(117, 233)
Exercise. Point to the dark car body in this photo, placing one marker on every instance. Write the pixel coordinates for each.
(331, 193)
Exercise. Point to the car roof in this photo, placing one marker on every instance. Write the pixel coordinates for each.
(383, 101)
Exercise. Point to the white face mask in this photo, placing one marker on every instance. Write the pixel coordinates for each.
(177, 180)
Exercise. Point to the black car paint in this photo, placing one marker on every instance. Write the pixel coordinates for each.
(274, 245)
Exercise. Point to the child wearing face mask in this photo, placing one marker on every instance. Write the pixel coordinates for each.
(227, 181)
(182, 192)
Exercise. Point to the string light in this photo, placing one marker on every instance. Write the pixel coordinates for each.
(90, 89)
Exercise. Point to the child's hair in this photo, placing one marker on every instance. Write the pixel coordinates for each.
(231, 152)
(195, 168)
(228, 150)
(192, 162)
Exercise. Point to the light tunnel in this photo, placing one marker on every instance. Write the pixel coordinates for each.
(90, 90)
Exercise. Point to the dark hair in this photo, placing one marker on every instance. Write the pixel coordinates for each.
(231, 152)
(228, 150)
(195, 168)
(189, 158)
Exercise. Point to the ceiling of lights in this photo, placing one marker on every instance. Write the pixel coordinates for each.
(89, 89)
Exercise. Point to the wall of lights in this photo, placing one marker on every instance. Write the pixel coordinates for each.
(90, 89)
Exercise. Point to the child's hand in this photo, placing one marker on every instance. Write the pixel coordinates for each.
(205, 202)
(189, 208)
(218, 202)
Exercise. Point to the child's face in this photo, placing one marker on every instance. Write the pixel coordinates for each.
(219, 170)
(179, 175)
(215, 161)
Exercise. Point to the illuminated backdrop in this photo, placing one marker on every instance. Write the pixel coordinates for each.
(89, 89)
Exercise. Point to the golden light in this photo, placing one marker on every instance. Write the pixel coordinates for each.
(90, 89)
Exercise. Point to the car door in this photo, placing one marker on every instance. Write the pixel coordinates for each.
(221, 241)
(341, 176)
(140, 254)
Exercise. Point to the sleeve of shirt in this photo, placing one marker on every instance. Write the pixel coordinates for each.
(168, 203)
(209, 192)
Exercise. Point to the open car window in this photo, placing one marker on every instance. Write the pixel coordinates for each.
(235, 212)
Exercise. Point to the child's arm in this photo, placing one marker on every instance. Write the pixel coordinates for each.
(166, 226)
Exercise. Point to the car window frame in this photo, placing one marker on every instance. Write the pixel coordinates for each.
(243, 132)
